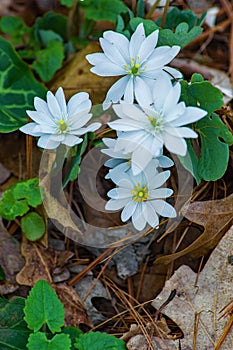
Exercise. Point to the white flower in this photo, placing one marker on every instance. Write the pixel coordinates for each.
(137, 59)
(57, 123)
(146, 129)
(122, 161)
(140, 197)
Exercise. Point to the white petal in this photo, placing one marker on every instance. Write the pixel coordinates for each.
(71, 140)
(132, 111)
(191, 114)
(182, 132)
(136, 41)
(46, 142)
(163, 208)
(175, 113)
(61, 100)
(175, 145)
(120, 41)
(112, 52)
(165, 162)
(160, 193)
(138, 219)
(161, 56)
(172, 98)
(141, 157)
(161, 178)
(125, 125)
(150, 215)
(115, 92)
(148, 45)
(108, 69)
(41, 118)
(53, 106)
(116, 204)
(160, 92)
(119, 193)
(172, 73)
(129, 91)
(75, 101)
(29, 129)
(142, 93)
(128, 210)
(41, 105)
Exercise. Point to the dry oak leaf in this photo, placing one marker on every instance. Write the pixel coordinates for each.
(77, 77)
(75, 312)
(216, 216)
(40, 263)
(197, 305)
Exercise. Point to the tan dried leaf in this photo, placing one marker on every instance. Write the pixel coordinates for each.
(197, 305)
(75, 312)
(215, 215)
(40, 263)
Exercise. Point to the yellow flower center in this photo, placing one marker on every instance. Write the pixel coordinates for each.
(156, 124)
(140, 193)
(62, 126)
(133, 68)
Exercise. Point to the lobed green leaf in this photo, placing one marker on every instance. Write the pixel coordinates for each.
(38, 341)
(100, 10)
(49, 60)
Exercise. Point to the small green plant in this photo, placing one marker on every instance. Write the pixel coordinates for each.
(38, 323)
(18, 200)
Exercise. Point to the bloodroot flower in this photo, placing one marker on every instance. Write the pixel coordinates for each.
(146, 129)
(57, 123)
(140, 197)
(137, 60)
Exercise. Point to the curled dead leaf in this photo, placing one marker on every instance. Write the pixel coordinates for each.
(216, 216)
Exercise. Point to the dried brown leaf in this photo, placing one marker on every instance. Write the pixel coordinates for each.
(215, 215)
(197, 305)
(40, 263)
(75, 312)
(76, 77)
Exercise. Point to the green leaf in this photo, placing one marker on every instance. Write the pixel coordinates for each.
(99, 10)
(49, 60)
(51, 21)
(18, 88)
(10, 208)
(75, 168)
(2, 274)
(49, 35)
(38, 341)
(43, 307)
(181, 37)
(215, 138)
(16, 199)
(33, 226)
(13, 329)
(176, 16)
(29, 190)
(190, 161)
(99, 341)
(15, 27)
(67, 3)
(149, 25)
(141, 8)
(73, 333)
(201, 93)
